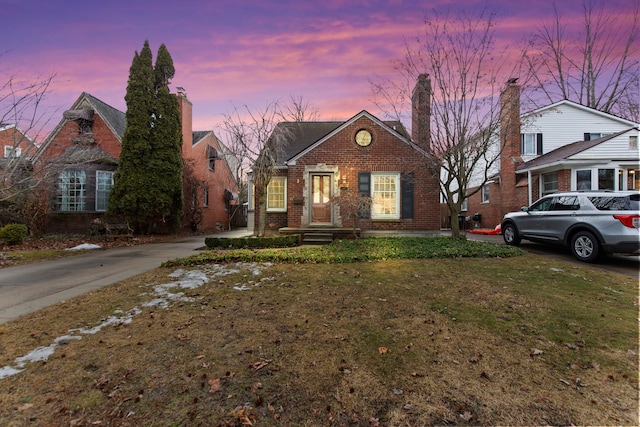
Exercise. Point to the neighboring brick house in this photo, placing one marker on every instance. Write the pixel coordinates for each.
(214, 168)
(375, 158)
(15, 143)
(16, 172)
(16, 150)
(563, 146)
(81, 156)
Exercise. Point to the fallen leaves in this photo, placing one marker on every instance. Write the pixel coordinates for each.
(383, 350)
(466, 415)
(25, 407)
(260, 364)
(214, 385)
(244, 415)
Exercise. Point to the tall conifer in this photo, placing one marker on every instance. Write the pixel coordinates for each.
(148, 187)
(166, 163)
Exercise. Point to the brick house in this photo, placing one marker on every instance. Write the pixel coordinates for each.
(214, 168)
(15, 143)
(563, 146)
(363, 154)
(16, 151)
(81, 155)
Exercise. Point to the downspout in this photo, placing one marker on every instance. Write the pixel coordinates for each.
(530, 191)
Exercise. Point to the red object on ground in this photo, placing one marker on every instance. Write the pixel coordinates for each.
(487, 231)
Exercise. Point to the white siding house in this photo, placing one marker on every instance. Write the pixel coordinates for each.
(596, 149)
(563, 146)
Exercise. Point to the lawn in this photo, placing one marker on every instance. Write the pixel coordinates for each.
(461, 335)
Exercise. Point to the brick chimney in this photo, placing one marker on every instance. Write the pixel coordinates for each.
(421, 112)
(186, 119)
(510, 141)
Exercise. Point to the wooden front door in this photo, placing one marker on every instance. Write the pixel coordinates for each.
(320, 198)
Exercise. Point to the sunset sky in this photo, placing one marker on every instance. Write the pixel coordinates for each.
(238, 52)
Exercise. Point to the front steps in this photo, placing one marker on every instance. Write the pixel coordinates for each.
(317, 238)
(319, 235)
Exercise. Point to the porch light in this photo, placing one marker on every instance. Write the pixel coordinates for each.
(343, 183)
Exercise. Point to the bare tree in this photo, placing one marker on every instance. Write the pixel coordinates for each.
(352, 205)
(192, 189)
(22, 121)
(458, 55)
(299, 109)
(598, 66)
(256, 140)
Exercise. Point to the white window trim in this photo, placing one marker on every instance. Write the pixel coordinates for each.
(484, 191)
(283, 209)
(98, 172)
(595, 177)
(12, 152)
(65, 203)
(542, 182)
(396, 176)
(533, 144)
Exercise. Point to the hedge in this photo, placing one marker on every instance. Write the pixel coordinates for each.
(253, 242)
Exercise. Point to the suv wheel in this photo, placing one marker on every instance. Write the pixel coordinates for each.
(510, 234)
(585, 246)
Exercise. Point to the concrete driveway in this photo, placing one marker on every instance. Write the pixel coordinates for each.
(28, 288)
(627, 265)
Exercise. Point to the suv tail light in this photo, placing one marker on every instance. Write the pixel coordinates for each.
(631, 221)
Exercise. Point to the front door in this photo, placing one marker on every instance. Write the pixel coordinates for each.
(320, 198)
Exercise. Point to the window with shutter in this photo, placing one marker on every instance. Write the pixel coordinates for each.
(364, 187)
(406, 184)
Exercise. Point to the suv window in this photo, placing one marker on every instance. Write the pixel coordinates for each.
(542, 205)
(565, 203)
(615, 203)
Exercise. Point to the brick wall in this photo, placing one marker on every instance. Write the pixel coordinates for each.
(421, 112)
(14, 138)
(385, 153)
(216, 181)
(510, 140)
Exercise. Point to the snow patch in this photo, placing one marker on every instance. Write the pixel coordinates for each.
(84, 247)
(163, 295)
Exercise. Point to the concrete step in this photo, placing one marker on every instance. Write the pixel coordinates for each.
(317, 238)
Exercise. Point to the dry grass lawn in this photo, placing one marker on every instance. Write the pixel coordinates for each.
(481, 341)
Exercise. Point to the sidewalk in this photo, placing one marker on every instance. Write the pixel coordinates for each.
(29, 288)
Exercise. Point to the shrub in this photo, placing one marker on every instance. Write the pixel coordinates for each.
(349, 250)
(14, 234)
(253, 242)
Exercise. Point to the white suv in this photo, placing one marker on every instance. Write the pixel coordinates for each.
(589, 223)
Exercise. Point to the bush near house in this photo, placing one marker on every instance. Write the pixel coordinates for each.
(14, 234)
(253, 242)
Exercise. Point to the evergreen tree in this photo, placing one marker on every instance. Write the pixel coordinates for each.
(166, 160)
(147, 187)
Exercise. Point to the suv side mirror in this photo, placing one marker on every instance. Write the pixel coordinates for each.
(525, 209)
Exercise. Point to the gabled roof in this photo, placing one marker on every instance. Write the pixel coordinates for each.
(565, 152)
(303, 135)
(230, 159)
(308, 135)
(199, 135)
(24, 137)
(114, 119)
(579, 107)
